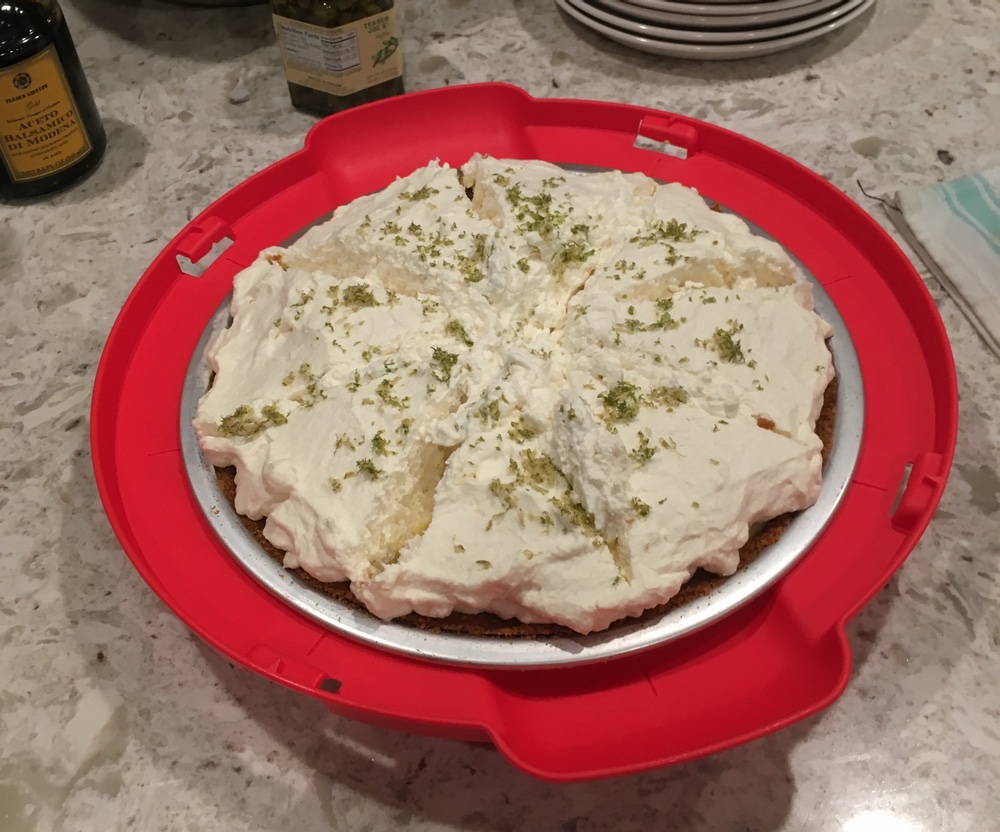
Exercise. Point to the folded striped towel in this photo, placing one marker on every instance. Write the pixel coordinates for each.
(955, 228)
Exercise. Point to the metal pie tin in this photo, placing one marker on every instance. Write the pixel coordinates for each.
(493, 651)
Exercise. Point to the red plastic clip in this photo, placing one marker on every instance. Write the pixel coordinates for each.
(920, 491)
(668, 135)
(197, 239)
(201, 244)
(276, 665)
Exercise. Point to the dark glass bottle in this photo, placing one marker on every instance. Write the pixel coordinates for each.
(339, 53)
(51, 134)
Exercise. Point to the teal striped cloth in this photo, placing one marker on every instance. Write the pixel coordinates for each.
(957, 224)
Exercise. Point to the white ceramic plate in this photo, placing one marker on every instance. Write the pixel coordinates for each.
(711, 51)
(698, 21)
(727, 2)
(723, 2)
(718, 7)
(684, 35)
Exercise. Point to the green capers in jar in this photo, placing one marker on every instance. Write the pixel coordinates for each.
(330, 13)
(380, 64)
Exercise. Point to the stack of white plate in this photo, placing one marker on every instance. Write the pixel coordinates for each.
(714, 29)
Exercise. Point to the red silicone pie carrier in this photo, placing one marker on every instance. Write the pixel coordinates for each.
(779, 658)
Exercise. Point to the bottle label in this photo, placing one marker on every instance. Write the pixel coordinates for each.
(41, 131)
(342, 60)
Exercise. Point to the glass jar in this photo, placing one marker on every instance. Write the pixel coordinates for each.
(339, 53)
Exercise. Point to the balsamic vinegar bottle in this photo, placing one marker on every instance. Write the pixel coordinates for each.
(51, 134)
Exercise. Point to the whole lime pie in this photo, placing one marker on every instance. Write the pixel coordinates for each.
(515, 390)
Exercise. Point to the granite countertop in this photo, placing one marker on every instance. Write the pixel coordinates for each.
(113, 716)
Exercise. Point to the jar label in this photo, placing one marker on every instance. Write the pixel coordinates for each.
(341, 60)
(41, 131)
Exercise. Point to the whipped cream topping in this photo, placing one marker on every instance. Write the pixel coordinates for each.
(552, 401)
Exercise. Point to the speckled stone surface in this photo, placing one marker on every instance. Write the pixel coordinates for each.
(113, 716)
